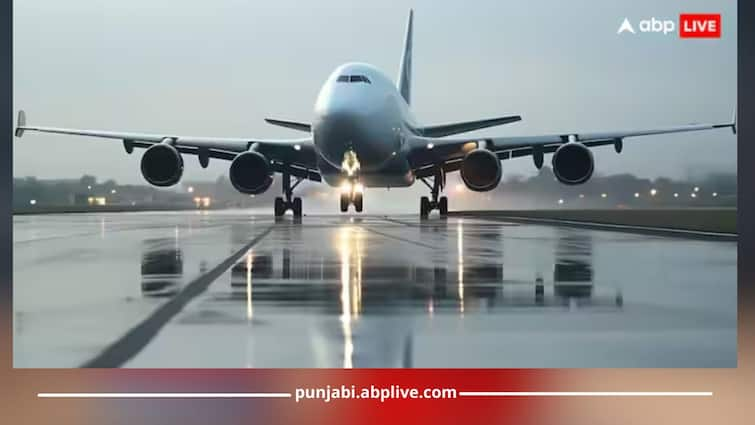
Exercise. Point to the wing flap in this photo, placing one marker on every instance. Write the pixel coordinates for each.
(293, 152)
(427, 151)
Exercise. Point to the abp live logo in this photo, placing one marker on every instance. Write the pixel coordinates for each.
(700, 25)
(691, 25)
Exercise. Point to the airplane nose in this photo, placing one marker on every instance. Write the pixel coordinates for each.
(358, 128)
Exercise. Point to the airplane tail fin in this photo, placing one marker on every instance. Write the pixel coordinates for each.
(20, 123)
(405, 70)
(734, 121)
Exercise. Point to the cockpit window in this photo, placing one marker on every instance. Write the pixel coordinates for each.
(353, 79)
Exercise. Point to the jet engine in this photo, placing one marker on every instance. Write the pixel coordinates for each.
(573, 163)
(162, 165)
(250, 173)
(481, 170)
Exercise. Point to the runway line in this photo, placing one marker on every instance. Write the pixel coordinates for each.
(658, 231)
(140, 335)
(399, 238)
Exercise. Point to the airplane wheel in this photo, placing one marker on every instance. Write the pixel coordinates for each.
(280, 207)
(344, 202)
(358, 202)
(443, 206)
(297, 207)
(424, 207)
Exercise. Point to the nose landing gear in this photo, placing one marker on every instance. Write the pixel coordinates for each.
(352, 193)
(288, 203)
(426, 205)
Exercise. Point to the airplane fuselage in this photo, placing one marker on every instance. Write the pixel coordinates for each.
(360, 128)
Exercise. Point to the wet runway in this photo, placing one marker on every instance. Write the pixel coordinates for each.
(230, 289)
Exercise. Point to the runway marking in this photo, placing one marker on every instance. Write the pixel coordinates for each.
(140, 335)
(632, 228)
(399, 238)
(163, 395)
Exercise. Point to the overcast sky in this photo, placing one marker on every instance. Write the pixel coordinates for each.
(219, 67)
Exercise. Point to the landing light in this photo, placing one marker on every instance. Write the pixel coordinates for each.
(603, 195)
(297, 147)
(653, 192)
(349, 187)
(430, 145)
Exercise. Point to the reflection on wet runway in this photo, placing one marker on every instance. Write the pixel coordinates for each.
(355, 284)
(373, 291)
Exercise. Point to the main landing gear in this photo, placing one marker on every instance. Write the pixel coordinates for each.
(435, 202)
(288, 203)
(352, 193)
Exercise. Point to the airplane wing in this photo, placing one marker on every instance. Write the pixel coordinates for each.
(296, 156)
(428, 152)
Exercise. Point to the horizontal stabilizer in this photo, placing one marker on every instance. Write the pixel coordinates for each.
(300, 126)
(463, 127)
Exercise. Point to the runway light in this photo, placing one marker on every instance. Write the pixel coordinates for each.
(636, 195)
(697, 189)
(676, 195)
(113, 191)
(693, 194)
(191, 189)
(89, 187)
(653, 192)
(33, 202)
(715, 194)
(560, 201)
(603, 195)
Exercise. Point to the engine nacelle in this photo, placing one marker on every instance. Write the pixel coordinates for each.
(250, 173)
(573, 163)
(162, 165)
(481, 170)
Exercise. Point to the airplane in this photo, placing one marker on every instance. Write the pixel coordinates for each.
(363, 134)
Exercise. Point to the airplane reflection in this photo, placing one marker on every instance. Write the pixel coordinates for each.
(161, 268)
(354, 284)
(377, 298)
